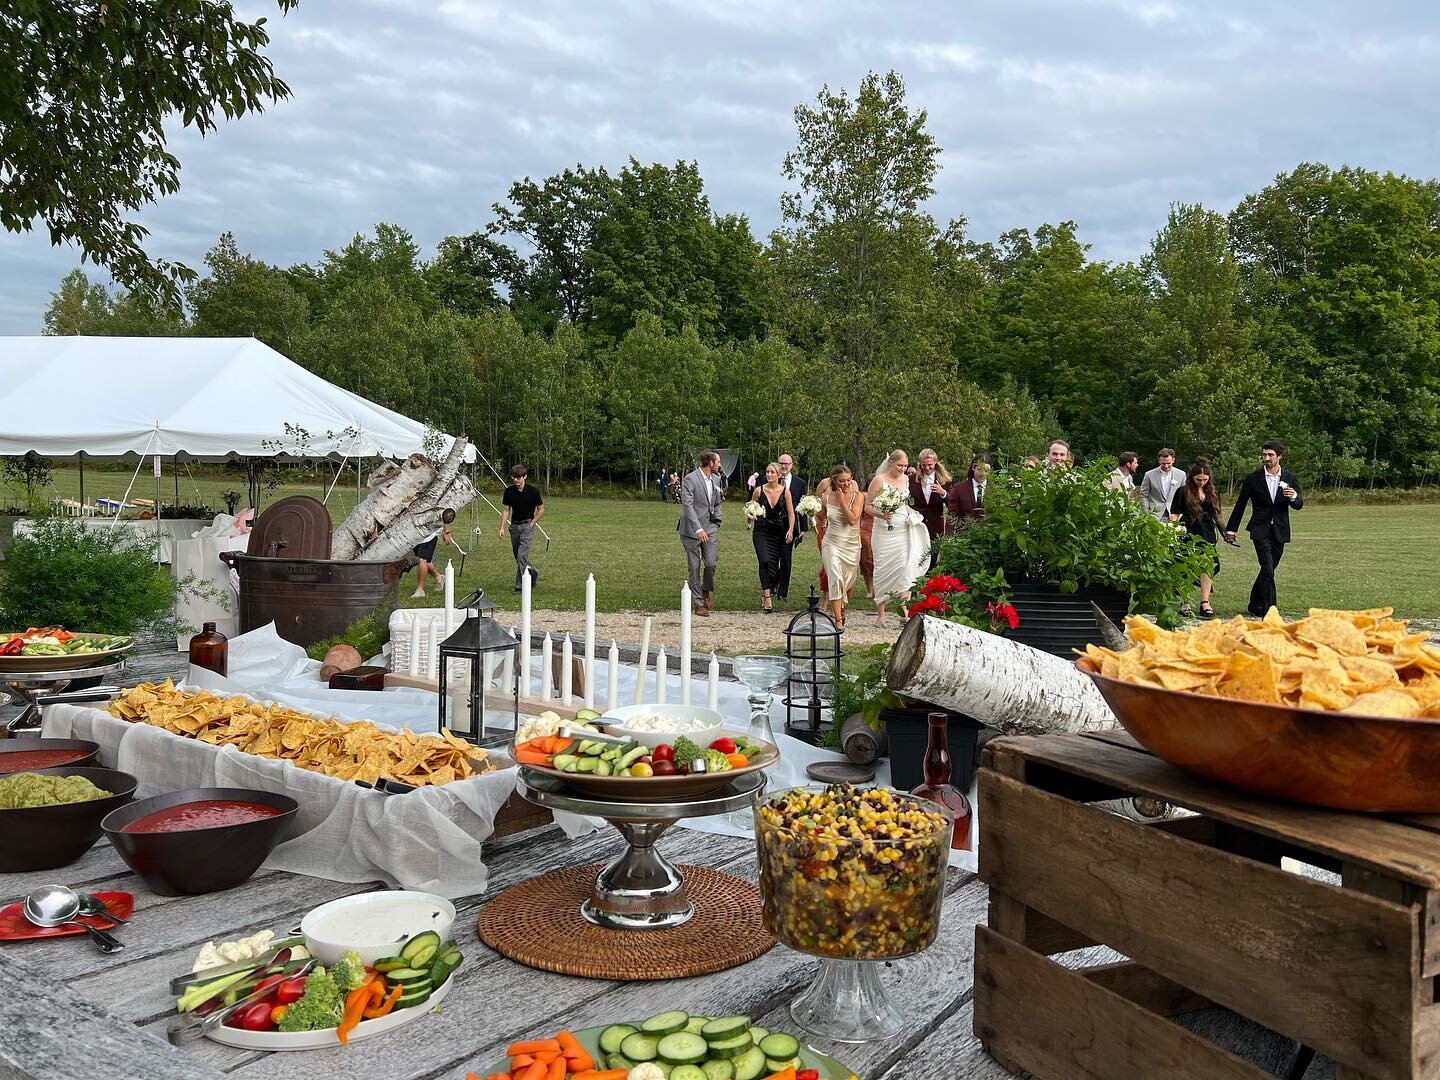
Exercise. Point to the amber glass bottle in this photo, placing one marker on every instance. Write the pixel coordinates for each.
(210, 649)
(937, 787)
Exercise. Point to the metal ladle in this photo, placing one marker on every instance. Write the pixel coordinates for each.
(55, 905)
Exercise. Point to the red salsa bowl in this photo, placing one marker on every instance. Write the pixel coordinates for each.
(34, 754)
(200, 840)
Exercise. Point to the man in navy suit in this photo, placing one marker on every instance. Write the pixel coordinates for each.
(796, 487)
(1273, 492)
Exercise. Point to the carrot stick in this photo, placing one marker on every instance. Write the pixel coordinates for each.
(521, 1061)
(536, 1071)
(515, 1049)
(557, 1069)
(600, 1074)
(579, 1058)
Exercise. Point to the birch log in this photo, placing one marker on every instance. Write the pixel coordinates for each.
(404, 507)
(999, 682)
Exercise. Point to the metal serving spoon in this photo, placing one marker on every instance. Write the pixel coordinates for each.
(90, 904)
(55, 905)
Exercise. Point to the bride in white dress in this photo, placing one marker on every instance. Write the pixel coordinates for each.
(900, 539)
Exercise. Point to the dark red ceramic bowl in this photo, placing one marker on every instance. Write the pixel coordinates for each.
(200, 860)
(84, 753)
(44, 837)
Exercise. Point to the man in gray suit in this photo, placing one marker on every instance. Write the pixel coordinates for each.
(699, 528)
(1160, 485)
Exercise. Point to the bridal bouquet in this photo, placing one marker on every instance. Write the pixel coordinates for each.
(753, 513)
(809, 505)
(890, 499)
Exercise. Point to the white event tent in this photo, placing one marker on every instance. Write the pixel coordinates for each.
(206, 398)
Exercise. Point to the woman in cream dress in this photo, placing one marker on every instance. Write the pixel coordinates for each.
(901, 541)
(842, 504)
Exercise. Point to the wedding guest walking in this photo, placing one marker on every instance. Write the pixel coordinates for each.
(425, 552)
(1058, 455)
(664, 483)
(521, 508)
(842, 507)
(1196, 506)
(927, 494)
(794, 487)
(1123, 478)
(1161, 483)
(966, 499)
(1273, 492)
(772, 531)
(699, 528)
(902, 544)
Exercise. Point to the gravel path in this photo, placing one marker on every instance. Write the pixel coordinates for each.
(729, 633)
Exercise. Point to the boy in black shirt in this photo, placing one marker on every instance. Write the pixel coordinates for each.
(523, 507)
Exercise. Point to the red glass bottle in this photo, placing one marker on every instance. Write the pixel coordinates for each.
(937, 787)
(210, 649)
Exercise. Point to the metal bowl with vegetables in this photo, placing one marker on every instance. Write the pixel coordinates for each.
(53, 648)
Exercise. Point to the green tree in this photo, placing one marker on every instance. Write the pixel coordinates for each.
(78, 306)
(86, 91)
(660, 393)
(467, 270)
(244, 297)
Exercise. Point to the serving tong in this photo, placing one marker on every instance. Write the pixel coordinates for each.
(181, 983)
(188, 1028)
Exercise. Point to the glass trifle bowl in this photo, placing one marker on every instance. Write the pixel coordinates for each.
(851, 875)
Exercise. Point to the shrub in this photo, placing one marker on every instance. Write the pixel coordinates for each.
(97, 580)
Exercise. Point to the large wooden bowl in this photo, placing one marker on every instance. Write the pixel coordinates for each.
(1340, 760)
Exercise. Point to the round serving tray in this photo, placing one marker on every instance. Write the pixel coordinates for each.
(661, 788)
(62, 662)
(322, 1040)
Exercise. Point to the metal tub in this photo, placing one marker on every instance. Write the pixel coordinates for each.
(310, 600)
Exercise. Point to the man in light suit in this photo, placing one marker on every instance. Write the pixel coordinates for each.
(1160, 484)
(796, 487)
(699, 528)
(1123, 478)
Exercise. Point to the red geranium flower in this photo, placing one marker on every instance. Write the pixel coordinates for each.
(942, 583)
(928, 604)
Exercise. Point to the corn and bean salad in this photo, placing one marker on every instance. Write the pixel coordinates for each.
(852, 873)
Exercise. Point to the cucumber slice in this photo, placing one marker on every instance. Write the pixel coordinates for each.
(639, 1047)
(687, 1072)
(696, 1024)
(409, 1000)
(750, 1064)
(387, 964)
(613, 1036)
(683, 1048)
(618, 1060)
(734, 1046)
(665, 1023)
(725, 1027)
(719, 1070)
(779, 1066)
(757, 1033)
(780, 1047)
(407, 976)
(420, 950)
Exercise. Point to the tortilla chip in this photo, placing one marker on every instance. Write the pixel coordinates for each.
(1384, 703)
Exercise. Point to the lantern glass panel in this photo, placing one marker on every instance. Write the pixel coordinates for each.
(812, 644)
(479, 695)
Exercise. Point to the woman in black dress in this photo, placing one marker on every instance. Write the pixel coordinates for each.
(1196, 506)
(772, 531)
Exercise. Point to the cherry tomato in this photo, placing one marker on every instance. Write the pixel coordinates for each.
(644, 759)
(290, 991)
(663, 767)
(808, 1074)
(642, 768)
(663, 752)
(257, 1017)
(278, 1013)
(270, 982)
(724, 744)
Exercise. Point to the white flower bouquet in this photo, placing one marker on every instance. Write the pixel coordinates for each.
(753, 513)
(890, 499)
(809, 505)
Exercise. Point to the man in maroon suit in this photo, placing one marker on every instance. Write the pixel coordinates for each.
(927, 496)
(967, 497)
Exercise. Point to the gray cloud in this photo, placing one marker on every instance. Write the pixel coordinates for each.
(1102, 111)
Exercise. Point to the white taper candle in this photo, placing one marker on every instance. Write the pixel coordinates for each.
(712, 697)
(525, 683)
(590, 641)
(643, 663)
(660, 673)
(686, 615)
(567, 661)
(432, 660)
(612, 682)
(547, 680)
(449, 615)
(414, 665)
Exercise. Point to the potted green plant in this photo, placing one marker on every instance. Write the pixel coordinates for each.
(1061, 539)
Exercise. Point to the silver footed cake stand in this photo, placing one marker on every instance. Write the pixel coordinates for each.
(640, 890)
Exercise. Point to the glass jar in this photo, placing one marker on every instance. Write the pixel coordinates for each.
(210, 650)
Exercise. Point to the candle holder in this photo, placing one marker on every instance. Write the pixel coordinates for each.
(478, 647)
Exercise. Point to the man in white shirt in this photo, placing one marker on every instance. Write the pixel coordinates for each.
(1160, 485)
(796, 487)
(1123, 478)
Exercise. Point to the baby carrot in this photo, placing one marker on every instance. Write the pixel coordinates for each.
(536, 1071)
(517, 1048)
(557, 1069)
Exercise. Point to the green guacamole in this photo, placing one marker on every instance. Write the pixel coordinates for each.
(32, 789)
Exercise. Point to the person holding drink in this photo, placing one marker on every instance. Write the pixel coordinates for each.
(842, 505)
(1196, 507)
(1273, 491)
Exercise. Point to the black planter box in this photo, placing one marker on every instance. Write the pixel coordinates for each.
(909, 733)
(1057, 622)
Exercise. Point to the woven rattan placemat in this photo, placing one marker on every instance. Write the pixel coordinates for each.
(538, 923)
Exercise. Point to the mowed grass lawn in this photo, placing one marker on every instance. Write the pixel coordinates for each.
(1342, 556)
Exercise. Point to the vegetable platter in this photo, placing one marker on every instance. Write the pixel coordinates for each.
(53, 648)
(612, 767)
(669, 1046)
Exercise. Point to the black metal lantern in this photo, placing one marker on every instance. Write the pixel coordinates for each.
(812, 645)
(478, 649)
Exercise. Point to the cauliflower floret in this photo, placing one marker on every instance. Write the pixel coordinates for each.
(646, 1070)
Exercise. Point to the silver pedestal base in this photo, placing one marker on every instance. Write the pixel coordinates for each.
(640, 890)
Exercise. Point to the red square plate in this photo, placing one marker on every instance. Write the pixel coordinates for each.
(15, 927)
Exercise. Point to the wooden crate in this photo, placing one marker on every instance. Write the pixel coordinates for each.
(1205, 914)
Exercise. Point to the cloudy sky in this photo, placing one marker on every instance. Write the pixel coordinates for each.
(1103, 111)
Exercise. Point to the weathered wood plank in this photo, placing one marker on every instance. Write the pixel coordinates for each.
(1327, 966)
(46, 1033)
(1388, 846)
(950, 1052)
(1145, 988)
(1083, 1029)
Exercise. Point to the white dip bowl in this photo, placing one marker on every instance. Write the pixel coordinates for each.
(374, 924)
(664, 723)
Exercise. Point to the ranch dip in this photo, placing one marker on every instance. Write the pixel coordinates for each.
(654, 725)
(376, 923)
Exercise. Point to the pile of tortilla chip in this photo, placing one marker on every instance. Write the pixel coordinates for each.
(354, 751)
(1361, 662)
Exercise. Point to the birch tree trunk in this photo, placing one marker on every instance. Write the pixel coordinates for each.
(392, 487)
(1020, 690)
(404, 507)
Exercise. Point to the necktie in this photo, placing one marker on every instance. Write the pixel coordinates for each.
(979, 494)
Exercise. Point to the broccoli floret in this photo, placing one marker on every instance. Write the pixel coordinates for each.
(685, 752)
(349, 973)
(321, 1006)
(715, 761)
